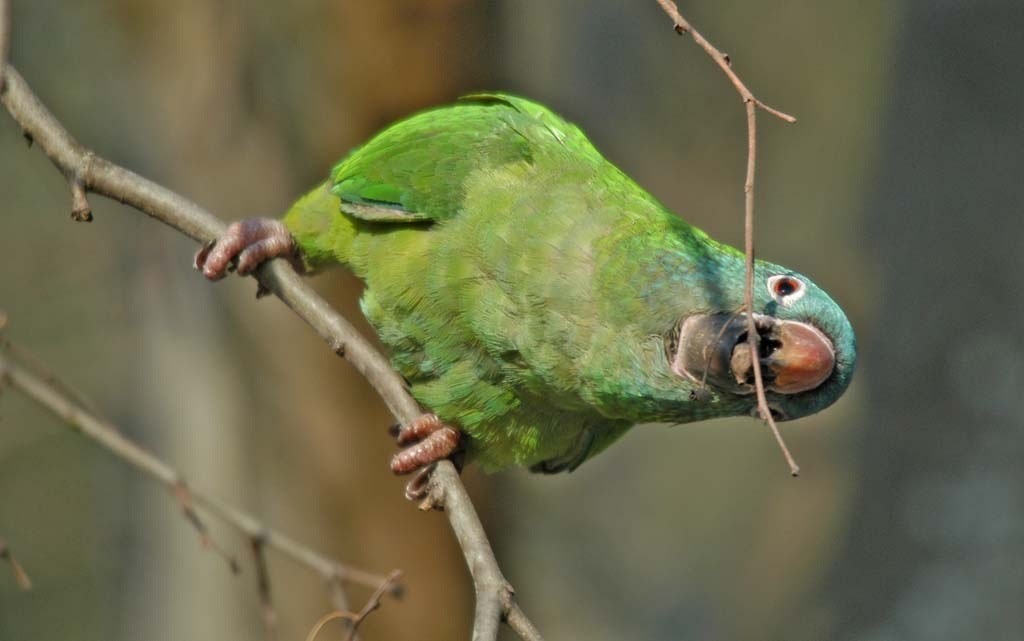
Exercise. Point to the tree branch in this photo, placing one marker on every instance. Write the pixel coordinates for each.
(92, 173)
(258, 546)
(682, 26)
(353, 619)
(752, 104)
(51, 396)
(372, 604)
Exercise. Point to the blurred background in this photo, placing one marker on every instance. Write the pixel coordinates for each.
(898, 190)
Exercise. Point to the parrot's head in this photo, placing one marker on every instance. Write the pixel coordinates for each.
(807, 347)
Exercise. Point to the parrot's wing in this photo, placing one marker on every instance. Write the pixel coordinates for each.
(416, 170)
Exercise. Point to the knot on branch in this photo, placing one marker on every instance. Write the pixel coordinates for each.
(81, 210)
(434, 497)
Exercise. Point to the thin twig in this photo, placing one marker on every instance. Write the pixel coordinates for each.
(373, 603)
(339, 601)
(354, 620)
(51, 398)
(183, 495)
(37, 367)
(258, 545)
(682, 26)
(20, 576)
(752, 104)
(752, 335)
(103, 177)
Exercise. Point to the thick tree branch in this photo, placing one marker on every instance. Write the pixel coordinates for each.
(51, 396)
(752, 104)
(91, 173)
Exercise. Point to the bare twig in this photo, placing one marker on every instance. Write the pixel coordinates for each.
(37, 367)
(354, 620)
(20, 576)
(259, 557)
(339, 601)
(53, 399)
(101, 176)
(752, 104)
(373, 602)
(183, 495)
(752, 335)
(682, 27)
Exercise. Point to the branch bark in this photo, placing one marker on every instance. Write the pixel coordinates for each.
(752, 104)
(87, 172)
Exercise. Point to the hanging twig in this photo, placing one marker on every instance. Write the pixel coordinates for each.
(752, 104)
(183, 496)
(258, 544)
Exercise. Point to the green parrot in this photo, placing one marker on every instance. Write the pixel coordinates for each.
(537, 300)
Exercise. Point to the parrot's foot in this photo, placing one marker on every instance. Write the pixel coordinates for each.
(247, 243)
(424, 442)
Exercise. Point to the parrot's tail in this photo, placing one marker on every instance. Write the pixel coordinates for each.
(323, 234)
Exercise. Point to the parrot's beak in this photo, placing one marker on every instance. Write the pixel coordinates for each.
(795, 357)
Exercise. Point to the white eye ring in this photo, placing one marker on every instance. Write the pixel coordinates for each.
(786, 290)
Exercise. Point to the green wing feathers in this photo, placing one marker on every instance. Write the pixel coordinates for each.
(417, 169)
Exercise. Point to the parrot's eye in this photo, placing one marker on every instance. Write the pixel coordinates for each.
(785, 289)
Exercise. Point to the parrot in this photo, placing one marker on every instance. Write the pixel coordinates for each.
(539, 302)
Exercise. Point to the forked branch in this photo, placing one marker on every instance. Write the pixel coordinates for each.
(50, 394)
(355, 619)
(752, 104)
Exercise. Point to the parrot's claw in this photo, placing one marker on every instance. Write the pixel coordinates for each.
(246, 244)
(424, 442)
